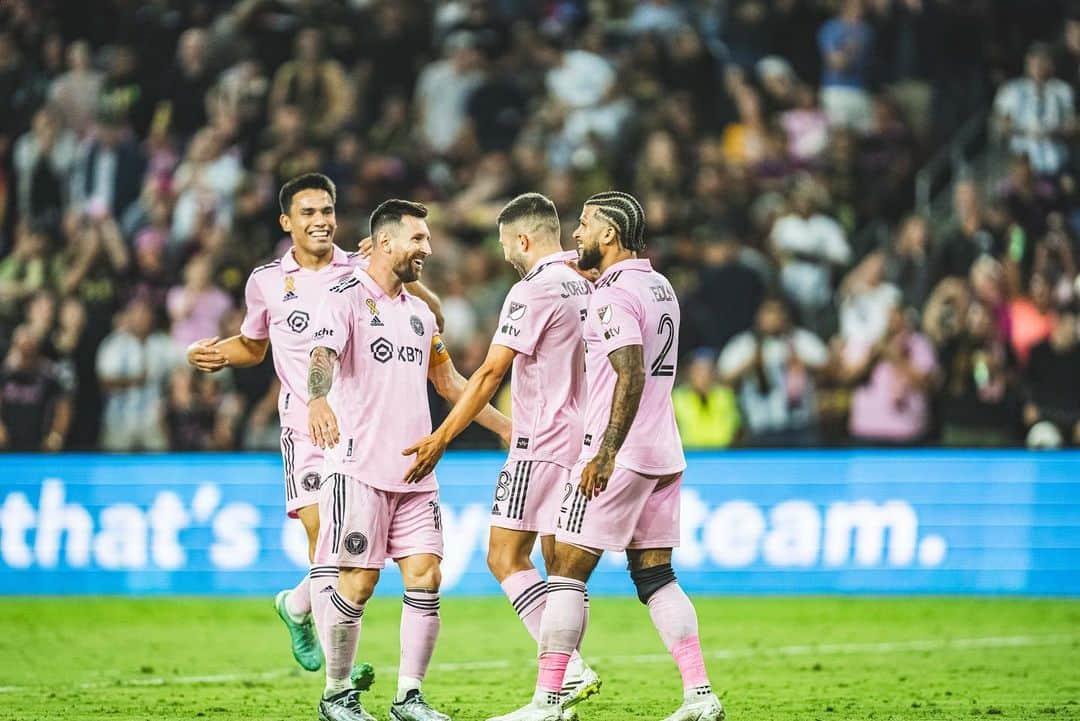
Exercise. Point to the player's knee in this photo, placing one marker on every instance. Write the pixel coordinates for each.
(356, 586)
(429, 579)
(504, 561)
(650, 580)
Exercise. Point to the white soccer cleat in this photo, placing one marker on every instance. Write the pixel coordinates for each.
(699, 708)
(580, 684)
(532, 712)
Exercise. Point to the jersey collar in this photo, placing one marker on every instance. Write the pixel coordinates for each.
(561, 256)
(289, 264)
(628, 264)
(374, 288)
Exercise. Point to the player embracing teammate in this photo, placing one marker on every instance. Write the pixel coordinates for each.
(622, 493)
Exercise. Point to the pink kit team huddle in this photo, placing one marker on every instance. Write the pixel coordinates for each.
(595, 460)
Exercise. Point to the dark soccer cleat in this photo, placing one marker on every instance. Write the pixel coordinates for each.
(344, 706)
(415, 708)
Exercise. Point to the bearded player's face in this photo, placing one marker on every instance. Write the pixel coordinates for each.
(410, 245)
(590, 231)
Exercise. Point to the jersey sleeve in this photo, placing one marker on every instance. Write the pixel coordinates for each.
(615, 319)
(333, 322)
(522, 321)
(256, 323)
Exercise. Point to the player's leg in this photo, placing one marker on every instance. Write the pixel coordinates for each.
(672, 612)
(353, 538)
(302, 461)
(508, 560)
(415, 542)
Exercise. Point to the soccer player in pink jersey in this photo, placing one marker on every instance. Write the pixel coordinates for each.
(282, 297)
(540, 336)
(386, 347)
(628, 475)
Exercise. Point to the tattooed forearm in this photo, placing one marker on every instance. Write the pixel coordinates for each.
(629, 365)
(320, 373)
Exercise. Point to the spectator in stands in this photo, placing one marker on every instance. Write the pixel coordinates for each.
(24, 271)
(1032, 317)
(773, 369)
(979, 402)
(893, 378)
(75, 93)
(847, 48)
(443, 91)
(867, 301)
(108, 176)
(199, 413)
(809, 245)
(726, 298)
(316, 84)
(133, 363)
(35, 408)
(1067, 55)
(186, 86)
(1052, 384)
(76, 351)
(907, 261)
(196, 307)
(205, 184)
(43, 160)
(92, 268)
(969, 239)
(1036, 113)
(705, 410)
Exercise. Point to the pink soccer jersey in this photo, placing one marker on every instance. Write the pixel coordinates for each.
(385, 346)
(542, 319)
(282, 298)
(634, 305)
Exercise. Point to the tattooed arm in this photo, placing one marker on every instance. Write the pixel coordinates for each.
(322, 423)
(629, 365)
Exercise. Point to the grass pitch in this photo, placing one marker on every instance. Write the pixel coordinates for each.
(770, 659)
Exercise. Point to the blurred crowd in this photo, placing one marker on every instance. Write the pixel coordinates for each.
(143, 143)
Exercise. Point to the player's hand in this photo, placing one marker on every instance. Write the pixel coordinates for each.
(590, 275)
(322, 424)
(204, 356)
(428, 450)
(365, 247)
(596, 474)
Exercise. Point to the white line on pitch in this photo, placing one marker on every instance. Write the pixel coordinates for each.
(826, 649)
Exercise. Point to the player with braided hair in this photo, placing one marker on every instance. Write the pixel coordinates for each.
(623, 493)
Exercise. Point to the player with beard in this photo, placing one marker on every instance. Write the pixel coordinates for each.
(281, 298)
(386, 347)
(540, 335)
(630, 469)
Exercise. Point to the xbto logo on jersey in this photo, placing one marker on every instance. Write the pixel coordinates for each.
(298, 321)
(383, 351)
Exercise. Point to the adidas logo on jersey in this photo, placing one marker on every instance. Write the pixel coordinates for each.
(495, 510)
(375, 322)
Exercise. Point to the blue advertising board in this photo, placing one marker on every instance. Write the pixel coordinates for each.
(865, 522)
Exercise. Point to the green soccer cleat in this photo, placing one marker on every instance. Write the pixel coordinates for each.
(305, 643)
(362, 676)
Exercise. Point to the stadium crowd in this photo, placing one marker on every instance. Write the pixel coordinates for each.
(143, 143)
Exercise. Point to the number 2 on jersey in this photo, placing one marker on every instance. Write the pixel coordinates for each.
(660, 366)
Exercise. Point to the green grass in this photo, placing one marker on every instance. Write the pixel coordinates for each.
(771, 659)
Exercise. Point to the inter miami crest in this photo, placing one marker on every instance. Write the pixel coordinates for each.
(310, 481)
(356, 543)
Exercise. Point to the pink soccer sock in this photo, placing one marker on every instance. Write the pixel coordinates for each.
(419, 629)
(298, 602)
(674, 617)
(560, 631)
(342, 633)
(527, 592)
(323, 584)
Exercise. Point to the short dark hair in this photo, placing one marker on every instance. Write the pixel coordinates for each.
(624, 212)
(533, 206)
(307, 181)
(393, 210)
